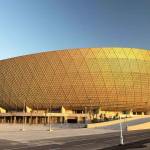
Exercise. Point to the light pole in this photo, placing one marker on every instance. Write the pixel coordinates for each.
(23, 117)
(121, 133)
(126, 120)
(90, 111)
(50, 126)
(86, 115)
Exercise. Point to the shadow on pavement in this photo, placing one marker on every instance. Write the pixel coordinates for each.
(139, 144)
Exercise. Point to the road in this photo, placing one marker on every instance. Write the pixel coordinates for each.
(108, 141)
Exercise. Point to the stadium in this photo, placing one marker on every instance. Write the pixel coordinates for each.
(70, 84)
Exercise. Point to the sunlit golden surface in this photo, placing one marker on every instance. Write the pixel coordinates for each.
(113, 78)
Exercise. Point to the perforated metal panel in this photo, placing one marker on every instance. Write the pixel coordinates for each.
(113, 78)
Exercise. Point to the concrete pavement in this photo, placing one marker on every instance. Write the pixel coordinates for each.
(70, 137)
(107, 141)
(39, 132)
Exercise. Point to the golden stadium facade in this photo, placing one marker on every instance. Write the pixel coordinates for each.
(114, 79)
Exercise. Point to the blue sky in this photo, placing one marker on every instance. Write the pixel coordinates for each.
(30, 26)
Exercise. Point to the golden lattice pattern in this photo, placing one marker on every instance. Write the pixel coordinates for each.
(113, 78)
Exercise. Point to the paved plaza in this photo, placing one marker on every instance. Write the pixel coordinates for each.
(38, 137)
(38, 132)
(96, 141)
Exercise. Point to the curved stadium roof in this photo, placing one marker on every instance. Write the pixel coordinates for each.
(113, 78)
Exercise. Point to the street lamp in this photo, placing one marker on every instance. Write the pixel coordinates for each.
(86, 114)
(90, 111)
(121, 133)
(23, 117)
(50, 126)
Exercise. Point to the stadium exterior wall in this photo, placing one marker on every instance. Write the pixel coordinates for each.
(114, 79)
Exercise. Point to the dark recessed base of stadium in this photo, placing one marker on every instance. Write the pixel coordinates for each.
(75, 84)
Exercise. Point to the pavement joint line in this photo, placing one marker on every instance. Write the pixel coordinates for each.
(55, 148)
(15, 148)
(46, 143)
